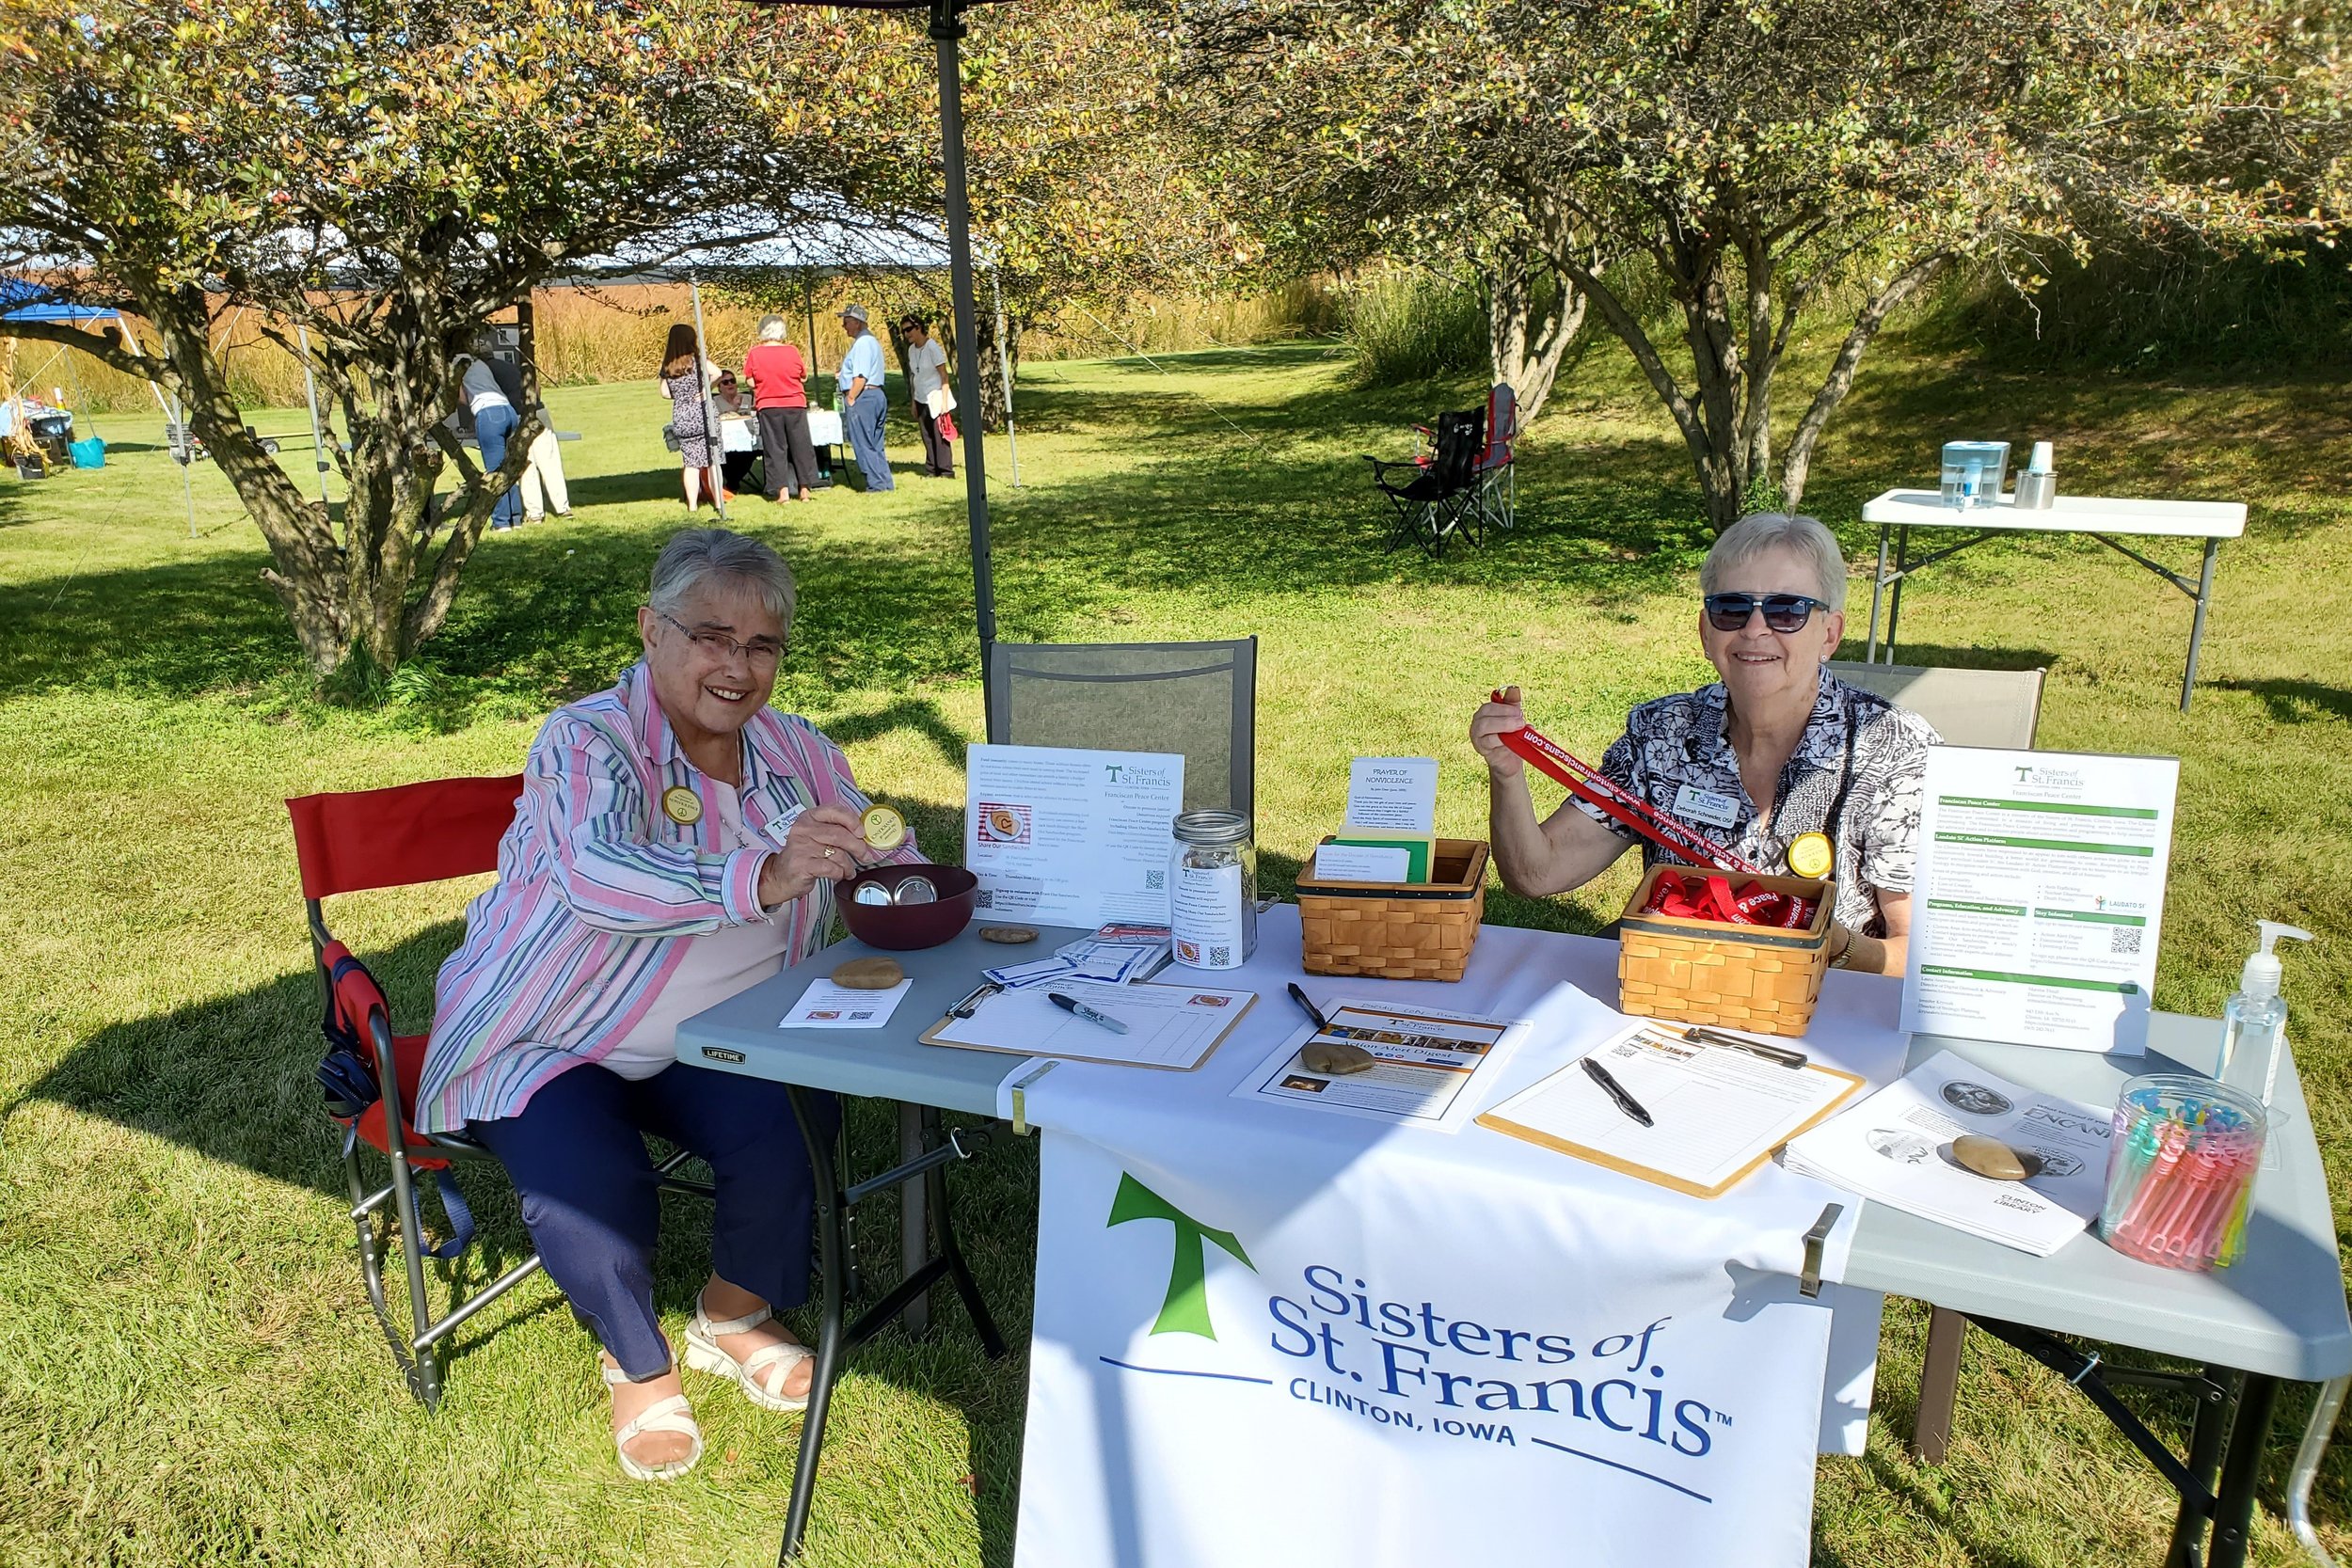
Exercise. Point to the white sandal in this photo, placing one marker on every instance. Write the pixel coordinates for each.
(670, 1415)
(703, 1355)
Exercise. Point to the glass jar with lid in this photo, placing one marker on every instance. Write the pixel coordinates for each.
(1213, 890)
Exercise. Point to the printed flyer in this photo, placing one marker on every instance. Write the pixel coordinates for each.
(2039, 896)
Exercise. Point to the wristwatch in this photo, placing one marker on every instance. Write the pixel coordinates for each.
(1844, 954)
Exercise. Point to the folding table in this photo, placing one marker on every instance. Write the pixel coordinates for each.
(2278, 1316)
(2101, 517)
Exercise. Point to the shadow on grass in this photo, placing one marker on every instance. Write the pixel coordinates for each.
(231, 1080)
(2291, 702)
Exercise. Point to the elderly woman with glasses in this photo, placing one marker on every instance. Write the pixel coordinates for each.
(1776, 749)
(676, 841)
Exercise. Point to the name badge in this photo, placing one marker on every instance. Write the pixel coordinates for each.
(1706, 805)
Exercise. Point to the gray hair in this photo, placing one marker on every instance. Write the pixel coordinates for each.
(1760, 533)
(696, 558)
(772, 330)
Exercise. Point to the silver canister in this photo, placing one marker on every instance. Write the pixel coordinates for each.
(2035, 491)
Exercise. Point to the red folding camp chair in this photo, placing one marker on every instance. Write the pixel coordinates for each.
(399, 837)
(1497, 468)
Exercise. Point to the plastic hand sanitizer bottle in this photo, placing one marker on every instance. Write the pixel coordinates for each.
(2254, 1024)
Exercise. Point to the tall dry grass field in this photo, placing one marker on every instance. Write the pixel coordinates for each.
(615, 333)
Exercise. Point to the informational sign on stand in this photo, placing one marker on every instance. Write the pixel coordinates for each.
(2039, 896)
(1068, 838)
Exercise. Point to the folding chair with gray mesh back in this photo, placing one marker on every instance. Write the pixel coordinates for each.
(1199, 699)
(1998, 708)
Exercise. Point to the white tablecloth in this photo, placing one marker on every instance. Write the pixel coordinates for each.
(1422, 1347)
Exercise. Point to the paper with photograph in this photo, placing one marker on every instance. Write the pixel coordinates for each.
(1425, 1064)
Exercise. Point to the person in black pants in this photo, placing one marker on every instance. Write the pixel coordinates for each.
(927, 375)
(780, 396)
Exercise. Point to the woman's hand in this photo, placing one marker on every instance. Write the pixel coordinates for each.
(1489, 724)
(825, 843)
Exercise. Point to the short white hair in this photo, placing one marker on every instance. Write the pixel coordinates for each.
(772, 330)
(699, 558)
(1762, 532)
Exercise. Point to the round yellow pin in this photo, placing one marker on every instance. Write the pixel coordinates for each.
(1811, 855)
(681, 806)
(884, 828)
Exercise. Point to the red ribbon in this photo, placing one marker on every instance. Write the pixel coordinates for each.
(1590, 784)
(1712, 898)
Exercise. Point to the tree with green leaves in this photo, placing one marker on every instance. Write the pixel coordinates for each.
(1771, 162)
(382, 177)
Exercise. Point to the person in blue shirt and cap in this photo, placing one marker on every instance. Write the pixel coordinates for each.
(863, 405)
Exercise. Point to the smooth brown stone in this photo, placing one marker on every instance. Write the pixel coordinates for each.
(1992, 1158)
(1012, 935)
(869, 974)
(1326, 1057)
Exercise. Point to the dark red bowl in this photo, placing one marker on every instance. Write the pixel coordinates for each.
(904, 927)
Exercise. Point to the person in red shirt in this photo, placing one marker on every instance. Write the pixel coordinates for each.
(779, 379)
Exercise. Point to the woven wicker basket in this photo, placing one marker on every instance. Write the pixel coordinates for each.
(1397, 930)
(1753, 978)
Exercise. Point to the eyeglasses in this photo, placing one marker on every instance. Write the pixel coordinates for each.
(718, 644)
(1782, 612)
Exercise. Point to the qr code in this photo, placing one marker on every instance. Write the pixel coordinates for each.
(985, 898)
(1154, 880)
(1220, 957)
(2125, 938)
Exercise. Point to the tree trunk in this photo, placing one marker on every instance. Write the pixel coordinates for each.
(348, 583)
(993, 393)
(1524, 344)
(1798, 465)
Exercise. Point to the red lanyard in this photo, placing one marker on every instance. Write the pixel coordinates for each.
(1590, 784)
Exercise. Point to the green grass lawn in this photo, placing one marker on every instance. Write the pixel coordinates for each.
(188, 1371)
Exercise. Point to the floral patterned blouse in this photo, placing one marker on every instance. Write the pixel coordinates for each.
(1860, 756)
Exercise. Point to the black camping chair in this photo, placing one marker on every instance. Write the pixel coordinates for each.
(1437, 497)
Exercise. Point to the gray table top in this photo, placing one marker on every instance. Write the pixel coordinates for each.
(2280, 1311)
(888, 1063)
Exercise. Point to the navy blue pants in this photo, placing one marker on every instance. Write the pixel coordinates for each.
(577, 1156)
(863, 421)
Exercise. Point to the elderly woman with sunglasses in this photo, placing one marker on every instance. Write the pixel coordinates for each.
(1777, 749)
(676, 841)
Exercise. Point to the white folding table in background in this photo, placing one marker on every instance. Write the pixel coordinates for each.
(2102, 517)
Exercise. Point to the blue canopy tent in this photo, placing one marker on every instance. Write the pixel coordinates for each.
(22, 300)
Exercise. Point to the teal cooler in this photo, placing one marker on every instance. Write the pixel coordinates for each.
(88, 454)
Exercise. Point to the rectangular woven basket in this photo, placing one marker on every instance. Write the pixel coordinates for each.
(1397, 930)
(1755, 977)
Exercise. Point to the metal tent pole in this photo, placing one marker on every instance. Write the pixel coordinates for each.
(311, 390)
(710, 404)
(1004, 367)
(948, 30)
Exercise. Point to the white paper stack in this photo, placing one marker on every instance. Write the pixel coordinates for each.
(1118, 954)
(1895, 1148)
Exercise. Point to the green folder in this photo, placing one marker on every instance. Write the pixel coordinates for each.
(1419, 848)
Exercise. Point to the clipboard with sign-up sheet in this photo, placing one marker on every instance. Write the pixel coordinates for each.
(1716, 1114)
(1172, 1027)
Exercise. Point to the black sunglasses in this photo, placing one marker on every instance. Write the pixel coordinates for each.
(1782, 612)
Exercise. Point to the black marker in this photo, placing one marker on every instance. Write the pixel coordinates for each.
(1626, 1103)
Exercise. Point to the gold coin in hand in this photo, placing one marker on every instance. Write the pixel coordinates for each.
(884, 828)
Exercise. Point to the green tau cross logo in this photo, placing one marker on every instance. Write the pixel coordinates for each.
(1185, 1310)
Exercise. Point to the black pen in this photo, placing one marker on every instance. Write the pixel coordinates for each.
(1616, 1090)
(1779, 1054)
(1299, 996)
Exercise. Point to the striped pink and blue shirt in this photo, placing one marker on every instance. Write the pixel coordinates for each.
(599, 889)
